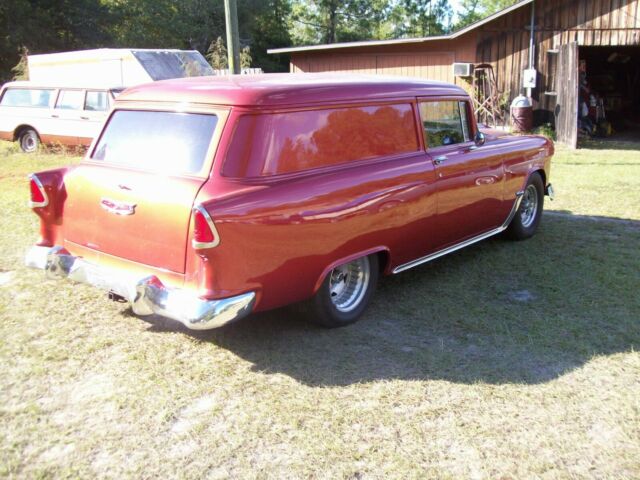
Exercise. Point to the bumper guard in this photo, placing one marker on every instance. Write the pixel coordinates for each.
(146, 295)
(548, 190)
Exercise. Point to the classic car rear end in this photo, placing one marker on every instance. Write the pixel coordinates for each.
(203, 200)
(122, 219)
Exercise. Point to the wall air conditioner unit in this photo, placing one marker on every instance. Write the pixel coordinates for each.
(462, 69)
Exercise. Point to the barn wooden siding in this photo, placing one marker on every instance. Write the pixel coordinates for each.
(503, 42)
(433, 61)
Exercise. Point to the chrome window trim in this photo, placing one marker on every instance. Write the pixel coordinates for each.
(34, 177)
(212, 226)
(464, 120)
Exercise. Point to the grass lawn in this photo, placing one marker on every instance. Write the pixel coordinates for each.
(504, 360)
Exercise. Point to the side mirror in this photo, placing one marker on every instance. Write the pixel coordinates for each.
(479, 139)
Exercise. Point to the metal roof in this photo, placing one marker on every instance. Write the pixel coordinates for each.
(400, 41)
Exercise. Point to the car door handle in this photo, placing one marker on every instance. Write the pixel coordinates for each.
(438, 160)
(84, 118)
(55, 116)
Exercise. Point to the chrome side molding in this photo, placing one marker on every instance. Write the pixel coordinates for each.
(466, 243)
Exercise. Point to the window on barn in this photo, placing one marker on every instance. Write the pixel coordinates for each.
(552, 66)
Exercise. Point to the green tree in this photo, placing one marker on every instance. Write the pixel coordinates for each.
(21, 70)
(245, 57)
(330, 21)
(217, 54)
(267, 26)
(425, 18)
(45, 26)
(473, 10)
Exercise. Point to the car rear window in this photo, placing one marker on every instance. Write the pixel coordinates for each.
(272, 144)
(27, 97)
(163, 142)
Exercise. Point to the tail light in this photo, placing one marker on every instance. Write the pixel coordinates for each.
(39, 196)
(205, 234)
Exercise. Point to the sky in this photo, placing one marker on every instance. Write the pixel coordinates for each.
(455, 5)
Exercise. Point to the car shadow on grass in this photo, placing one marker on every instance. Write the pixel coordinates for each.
(497, 312)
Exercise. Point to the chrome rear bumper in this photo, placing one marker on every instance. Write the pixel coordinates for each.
(549, 192)
(146, 295)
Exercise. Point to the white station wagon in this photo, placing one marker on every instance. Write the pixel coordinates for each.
(33, 113)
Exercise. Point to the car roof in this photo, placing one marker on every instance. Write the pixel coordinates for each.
(285, 89)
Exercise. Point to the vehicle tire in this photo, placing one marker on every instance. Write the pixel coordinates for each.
(525, 222)
(345, 293)
(29, 140)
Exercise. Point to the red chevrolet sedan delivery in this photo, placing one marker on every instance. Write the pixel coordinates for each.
(205, 199)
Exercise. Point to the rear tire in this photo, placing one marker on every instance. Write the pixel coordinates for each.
(527, 218)
(344, 294)
(29, 140)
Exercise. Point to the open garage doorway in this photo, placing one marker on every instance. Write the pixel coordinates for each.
(609, 91)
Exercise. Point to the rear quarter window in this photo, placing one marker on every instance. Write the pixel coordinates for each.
(27, 97)
(162, 142)
(96, 101)
(272, 144)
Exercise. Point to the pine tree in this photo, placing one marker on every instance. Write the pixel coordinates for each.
(217, 54)
(21, 70)
(245, 57)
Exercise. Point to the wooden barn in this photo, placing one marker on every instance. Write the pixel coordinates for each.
(581, 50)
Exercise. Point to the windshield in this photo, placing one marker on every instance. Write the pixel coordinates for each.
(162, 142)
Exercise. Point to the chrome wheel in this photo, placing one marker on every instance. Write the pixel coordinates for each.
(348, 284)
(529, 206)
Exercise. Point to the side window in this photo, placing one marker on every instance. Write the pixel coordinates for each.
(445, 122)
(27, 97)
(96, 101)
(272, 144)
(70, 100)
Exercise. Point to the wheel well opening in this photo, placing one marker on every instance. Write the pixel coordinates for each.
(383, 260)
(18, 131)
(543, 176)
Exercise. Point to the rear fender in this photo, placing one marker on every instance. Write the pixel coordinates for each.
(350, 258)
(51, 214)
(20, 128)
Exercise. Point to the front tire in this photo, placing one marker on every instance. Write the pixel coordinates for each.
(345, 293)
(527, 218)
(29, 140)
